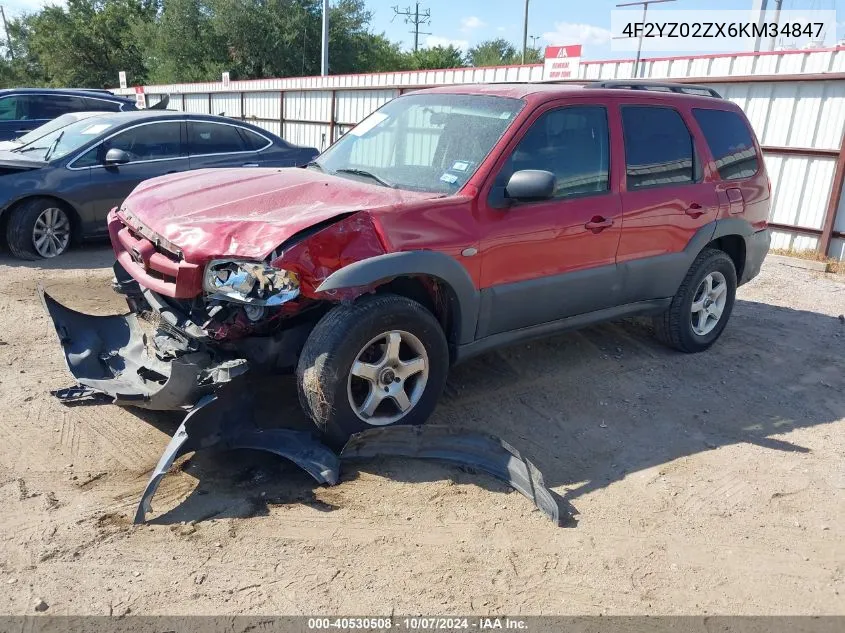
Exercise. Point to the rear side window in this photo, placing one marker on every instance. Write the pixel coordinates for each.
(205, 137)
(730, 143)
(659, 149)
(252, 140)
(101, 105)
(52, 106)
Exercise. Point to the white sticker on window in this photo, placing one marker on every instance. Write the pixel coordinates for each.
(460, 165)
(368, 124)
(450, 178)
(93, 130)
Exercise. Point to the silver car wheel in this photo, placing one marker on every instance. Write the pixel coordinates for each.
(708, 303)
(388, 377)
(51, 233)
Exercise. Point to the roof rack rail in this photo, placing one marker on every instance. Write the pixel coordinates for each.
(688, 89)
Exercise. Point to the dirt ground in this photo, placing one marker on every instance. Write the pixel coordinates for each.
(712, 483)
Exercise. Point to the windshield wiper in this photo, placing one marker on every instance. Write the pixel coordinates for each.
(27, 148)
(365, 174)
(54, 145)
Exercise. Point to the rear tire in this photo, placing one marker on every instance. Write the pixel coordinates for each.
(39, 228)
(702, 305)
(380, 361)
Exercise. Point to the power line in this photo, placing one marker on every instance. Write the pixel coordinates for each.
(416, 18)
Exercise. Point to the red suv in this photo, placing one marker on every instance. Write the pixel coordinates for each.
(451, 221)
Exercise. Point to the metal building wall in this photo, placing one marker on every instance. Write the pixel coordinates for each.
(795, 101)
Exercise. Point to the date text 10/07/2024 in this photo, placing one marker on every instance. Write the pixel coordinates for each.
(419, 624)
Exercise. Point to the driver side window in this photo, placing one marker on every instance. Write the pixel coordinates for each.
(572, 143)
(155, 141)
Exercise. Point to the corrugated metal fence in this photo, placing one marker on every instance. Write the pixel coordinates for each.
(794, 99)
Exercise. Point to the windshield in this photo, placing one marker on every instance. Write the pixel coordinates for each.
(429, 142)
(62, 141)
(51, 126)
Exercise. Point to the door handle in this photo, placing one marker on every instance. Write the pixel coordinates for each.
(694, 210)
(598, 223)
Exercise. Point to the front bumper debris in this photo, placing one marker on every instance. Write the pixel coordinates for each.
(225, 421)
(109, 355)
(480, 451)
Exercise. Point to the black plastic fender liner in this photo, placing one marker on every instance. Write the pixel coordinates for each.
(224, 421)
(480, 451)
(109, 354)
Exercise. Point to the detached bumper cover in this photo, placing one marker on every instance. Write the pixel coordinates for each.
(486, 453)
(109, 354)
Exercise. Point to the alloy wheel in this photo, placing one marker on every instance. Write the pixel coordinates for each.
(708, 303)
(51, 233)
(388, 377)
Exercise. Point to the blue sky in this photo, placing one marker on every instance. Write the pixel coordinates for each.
(467, 22)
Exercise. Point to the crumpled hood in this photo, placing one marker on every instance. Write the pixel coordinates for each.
(242, 212)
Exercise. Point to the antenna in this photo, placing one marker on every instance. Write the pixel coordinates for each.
(416, 18)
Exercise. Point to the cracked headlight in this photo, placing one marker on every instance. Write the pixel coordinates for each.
(253, 283)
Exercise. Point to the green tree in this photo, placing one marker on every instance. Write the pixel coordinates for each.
(532, 56)
(436, 57)
(87, 43)
(182, 44)
(496, 52)
(21, 66)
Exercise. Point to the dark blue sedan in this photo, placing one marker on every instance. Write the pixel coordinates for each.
(59, 188)
(24, 109)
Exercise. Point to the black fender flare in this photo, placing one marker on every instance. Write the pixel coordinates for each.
(381, 269)
(714, 230)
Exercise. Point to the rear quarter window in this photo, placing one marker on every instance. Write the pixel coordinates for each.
(730, 142)
(98, 105)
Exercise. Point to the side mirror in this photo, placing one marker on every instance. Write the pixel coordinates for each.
(531, 184)
(116, 157)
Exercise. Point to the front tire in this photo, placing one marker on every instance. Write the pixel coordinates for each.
(39, 228)
(380, 361)
(702, 305)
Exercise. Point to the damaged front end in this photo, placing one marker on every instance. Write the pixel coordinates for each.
(115, 356)
(157, 357)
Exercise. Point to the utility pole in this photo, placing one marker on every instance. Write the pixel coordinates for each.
(644, 4)
(416, 18)
(6, 28)
(773, 40)
(525, 33)
(324, 63)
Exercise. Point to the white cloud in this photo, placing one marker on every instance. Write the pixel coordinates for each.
(434, 40)
(576, 33)
(501, 29)
(471, 23)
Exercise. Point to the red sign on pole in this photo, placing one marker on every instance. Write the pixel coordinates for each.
(140, 98)
(562, 62)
